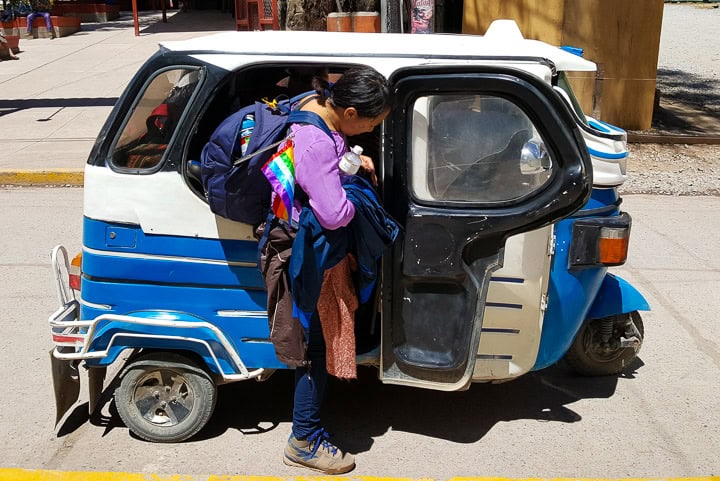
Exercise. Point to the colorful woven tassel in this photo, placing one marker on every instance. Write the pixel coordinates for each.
(280, 172)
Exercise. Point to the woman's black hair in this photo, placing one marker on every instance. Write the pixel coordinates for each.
(364, 88)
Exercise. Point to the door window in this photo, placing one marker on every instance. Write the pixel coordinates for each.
(152, 122)
(475, 149)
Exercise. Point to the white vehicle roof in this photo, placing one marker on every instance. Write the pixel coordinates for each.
(503, 39)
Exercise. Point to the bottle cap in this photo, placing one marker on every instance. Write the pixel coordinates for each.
(358, 150)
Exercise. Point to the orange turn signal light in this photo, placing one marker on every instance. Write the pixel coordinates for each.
(613, 245)
(75, 272)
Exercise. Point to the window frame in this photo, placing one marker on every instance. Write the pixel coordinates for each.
(130, 111)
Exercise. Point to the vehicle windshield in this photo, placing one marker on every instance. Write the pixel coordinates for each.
(564, 83)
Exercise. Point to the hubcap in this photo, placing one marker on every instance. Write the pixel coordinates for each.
(163, 397)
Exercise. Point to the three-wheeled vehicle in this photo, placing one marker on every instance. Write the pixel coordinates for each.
(505, 191)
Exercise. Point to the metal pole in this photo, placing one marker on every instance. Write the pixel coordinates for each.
(135, 18)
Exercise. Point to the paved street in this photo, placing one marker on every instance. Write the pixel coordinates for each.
(660, 420)
(57, 96)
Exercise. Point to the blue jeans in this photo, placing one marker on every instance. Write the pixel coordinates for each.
(310, 384)
(32, 16)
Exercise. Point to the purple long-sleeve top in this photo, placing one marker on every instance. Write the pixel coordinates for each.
(317, 173)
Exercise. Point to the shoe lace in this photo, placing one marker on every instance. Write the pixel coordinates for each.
(319, 438)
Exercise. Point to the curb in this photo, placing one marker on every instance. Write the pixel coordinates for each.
(55, 177)
(17, 474)
(659, 138)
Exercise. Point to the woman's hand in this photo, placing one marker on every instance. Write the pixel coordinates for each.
(369, 167)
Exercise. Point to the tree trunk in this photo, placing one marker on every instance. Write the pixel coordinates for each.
(308, 14)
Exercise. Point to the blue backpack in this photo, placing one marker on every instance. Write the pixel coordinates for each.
(233, 181)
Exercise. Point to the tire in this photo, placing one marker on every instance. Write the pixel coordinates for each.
(589, 355)
(165, 397)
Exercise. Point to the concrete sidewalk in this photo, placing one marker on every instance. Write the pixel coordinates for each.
(56, 98)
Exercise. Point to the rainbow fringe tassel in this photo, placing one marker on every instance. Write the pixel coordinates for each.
(280, 172)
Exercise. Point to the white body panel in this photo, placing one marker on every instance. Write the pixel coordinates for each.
(609, 157)
(503, 41)
(160, 203)
(511, 336)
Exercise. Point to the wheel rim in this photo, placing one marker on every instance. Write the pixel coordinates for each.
(599, 351)
(163, 397)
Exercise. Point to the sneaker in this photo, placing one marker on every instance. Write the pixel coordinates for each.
(317, 453)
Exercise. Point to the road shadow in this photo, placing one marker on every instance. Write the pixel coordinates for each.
(686, 103)
(177, 21)
(360, 410)
(192, 21)
(14, 105)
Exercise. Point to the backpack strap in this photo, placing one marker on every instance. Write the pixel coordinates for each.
(307, 117)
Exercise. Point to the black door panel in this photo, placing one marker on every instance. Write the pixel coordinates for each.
(476, 155)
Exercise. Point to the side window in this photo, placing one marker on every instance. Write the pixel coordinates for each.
(152, 122)
(473, 149)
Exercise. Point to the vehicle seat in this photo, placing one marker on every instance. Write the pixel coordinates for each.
(194, 177)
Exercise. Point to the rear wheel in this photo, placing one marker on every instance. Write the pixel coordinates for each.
(165, 397)
(606, 346)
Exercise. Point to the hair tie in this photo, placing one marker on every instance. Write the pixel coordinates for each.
(327, 92)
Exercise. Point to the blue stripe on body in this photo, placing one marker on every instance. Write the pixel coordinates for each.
(503, 305)
(96, 236)
(605, 127)
(607, 155)
(182, 272)
(510, 280)
(182, 260)
(191, 302)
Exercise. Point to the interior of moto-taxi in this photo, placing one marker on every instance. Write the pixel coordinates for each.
(464, 147)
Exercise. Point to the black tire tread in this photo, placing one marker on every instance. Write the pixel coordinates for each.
(194, 374)
(579, 361)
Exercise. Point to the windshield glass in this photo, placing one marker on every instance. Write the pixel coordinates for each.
(564, 83)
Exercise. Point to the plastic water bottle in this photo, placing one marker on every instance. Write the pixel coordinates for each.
(246, 129)
(351, 162)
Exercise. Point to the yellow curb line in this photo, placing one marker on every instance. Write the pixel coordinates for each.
(42, 177)
(16, 474)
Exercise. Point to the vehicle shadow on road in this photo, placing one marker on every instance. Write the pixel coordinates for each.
(358, 411)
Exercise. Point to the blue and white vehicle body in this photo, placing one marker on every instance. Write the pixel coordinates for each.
(507, 251)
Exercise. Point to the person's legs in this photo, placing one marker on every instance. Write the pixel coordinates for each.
(30, 19)
(308, 445)
(310, 385)
(48, 23)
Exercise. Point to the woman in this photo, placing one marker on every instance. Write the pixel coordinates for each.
(357, 103)
(5, 50)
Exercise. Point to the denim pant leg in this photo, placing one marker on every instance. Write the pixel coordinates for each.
(310, 384)
(48, 23)
(30, 19)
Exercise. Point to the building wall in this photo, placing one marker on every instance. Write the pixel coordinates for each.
(621, 36)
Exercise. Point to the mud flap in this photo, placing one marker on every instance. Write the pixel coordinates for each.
(96, 379)
(66, 383)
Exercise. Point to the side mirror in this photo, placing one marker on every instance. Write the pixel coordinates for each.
(534, 158)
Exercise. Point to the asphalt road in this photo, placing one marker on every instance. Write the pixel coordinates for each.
(661, 419)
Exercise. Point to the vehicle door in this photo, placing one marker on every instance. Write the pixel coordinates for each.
(473, 155)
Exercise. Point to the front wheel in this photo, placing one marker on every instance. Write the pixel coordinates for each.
(165, 397)
(606, 346)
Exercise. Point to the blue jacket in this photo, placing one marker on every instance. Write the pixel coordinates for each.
(316, 249)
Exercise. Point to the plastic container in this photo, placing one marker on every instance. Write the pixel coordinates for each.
(339, 22)
(368, 22)
(351, 162)
(246, 129)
